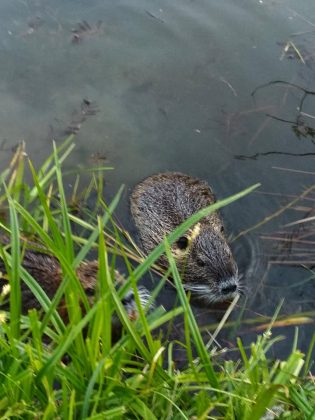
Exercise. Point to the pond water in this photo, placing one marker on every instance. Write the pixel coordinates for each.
(159, 86)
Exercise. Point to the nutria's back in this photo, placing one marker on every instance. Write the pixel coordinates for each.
(161, 203)
(46, 270)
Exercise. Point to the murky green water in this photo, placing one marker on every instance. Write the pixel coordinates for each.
(170, 85)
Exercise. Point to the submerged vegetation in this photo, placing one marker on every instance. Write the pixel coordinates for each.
(293, 244)
(52, 369)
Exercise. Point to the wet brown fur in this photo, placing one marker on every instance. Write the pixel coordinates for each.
(46, 270)
(159, 204)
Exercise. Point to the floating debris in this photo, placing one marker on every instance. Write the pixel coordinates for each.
(255, 156)
(229, 85)
(33, 24)
(87, 109)
(291, 51)
(153, 16)
(84, 29)
(97, 158)
(299, 125)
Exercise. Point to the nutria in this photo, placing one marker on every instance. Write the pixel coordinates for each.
(161, 203)
(46, 270)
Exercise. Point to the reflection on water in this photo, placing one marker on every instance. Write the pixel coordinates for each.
(158, 85)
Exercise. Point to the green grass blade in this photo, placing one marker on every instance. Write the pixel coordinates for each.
(194, 330)
(67, 342)
(95, 232)
(89, 389)
(64, 210)
(46, 178)
(15, 283)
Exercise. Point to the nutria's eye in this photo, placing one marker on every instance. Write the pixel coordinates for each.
(200, 262)
(182, 242)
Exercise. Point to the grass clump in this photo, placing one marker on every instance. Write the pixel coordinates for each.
(52, 366)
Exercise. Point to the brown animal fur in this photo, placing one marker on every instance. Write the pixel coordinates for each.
(46, 270)
(159, 204)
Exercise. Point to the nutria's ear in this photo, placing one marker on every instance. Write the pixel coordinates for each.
(182, 242)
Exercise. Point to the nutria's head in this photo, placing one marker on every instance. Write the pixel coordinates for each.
(206, 264)
(161, 203)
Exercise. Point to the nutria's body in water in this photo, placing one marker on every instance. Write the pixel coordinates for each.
(159, 204)
(46, 270)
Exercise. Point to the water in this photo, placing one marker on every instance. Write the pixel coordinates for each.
(171, 83)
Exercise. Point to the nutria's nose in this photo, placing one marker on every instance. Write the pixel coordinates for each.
(229, 289)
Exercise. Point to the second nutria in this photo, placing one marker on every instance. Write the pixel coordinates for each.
(46, 270)
(159, 204)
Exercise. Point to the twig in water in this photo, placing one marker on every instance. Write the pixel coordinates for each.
(298, 171)
(259, 130)
(297, 51)
(257, 155)
(229, 85)
(286, 52)
(153, 16)
(275, 214)
(282, 82)
(300, 221)
(301, 17)
(307, 115)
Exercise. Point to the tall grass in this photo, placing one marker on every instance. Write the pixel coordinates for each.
(51, 369)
